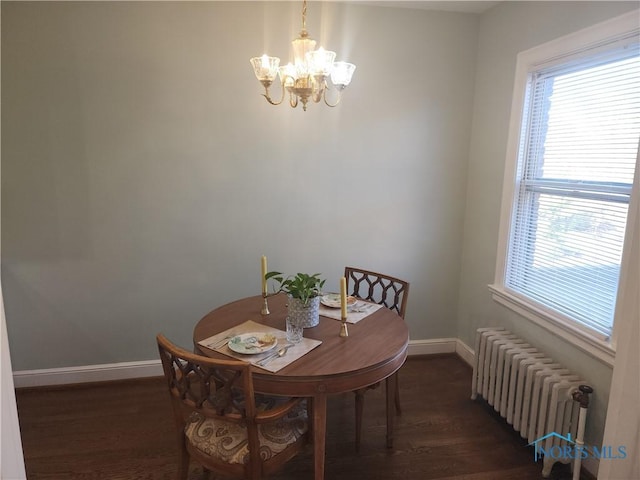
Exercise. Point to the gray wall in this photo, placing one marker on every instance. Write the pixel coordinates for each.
(504, 31)
(144, 175)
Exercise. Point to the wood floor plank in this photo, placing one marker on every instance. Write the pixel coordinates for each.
(124, 431)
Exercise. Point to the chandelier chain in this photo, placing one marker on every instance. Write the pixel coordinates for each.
(304, 17)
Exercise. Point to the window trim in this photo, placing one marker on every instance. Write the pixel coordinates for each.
(551, 321)
(568, 48)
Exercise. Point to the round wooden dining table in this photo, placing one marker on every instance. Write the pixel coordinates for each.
(375, 348)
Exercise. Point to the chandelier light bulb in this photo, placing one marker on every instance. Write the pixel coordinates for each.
(264, 61)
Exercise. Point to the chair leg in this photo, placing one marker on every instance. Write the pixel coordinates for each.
(359, 411)
(397, 394)
(183, 465)
(390, 391)
(310, 416)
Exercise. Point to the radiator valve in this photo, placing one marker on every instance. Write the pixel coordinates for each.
(582, 395)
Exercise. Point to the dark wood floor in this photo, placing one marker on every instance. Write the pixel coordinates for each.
(124, 431)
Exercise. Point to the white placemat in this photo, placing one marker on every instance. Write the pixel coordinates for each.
(356, 313)
(219, 343)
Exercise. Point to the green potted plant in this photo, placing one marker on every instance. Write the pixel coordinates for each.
(304, 293)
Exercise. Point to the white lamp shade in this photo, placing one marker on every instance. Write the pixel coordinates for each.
(301, 46)
(342, 73)
(320, 61)
(265, 67)
(287, 75)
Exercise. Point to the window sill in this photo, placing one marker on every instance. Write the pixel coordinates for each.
(597, 348)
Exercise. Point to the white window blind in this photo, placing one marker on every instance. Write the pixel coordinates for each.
(577, 157)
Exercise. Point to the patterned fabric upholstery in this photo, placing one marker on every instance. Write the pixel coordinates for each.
(227, 441)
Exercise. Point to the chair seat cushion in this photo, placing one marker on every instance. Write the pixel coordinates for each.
(227, 441)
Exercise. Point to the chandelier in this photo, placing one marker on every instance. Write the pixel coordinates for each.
(307, 77)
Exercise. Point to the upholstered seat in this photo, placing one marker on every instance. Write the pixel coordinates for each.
(222, 423)
(228, 441)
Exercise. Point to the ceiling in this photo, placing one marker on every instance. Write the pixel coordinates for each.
(451, 5)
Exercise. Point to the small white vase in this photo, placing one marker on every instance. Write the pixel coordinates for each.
(307, 315)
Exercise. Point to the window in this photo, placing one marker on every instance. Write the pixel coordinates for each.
(571, 162)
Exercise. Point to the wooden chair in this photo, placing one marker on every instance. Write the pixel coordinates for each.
(393, 294)
(221, 423)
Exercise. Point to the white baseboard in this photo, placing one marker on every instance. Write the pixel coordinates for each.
(465, 352)
(431, 347)
(442, 345)
(153, 368)
(591, 465)
(85, 374)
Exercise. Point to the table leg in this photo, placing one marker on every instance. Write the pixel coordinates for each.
(390, 387)
(319, 433)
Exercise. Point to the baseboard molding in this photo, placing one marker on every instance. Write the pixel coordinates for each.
(431, 347)
(152, 368)
(465, 352)
(442, 345)
(86, 374)
(591, 466)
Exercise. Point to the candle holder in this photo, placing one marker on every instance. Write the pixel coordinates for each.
(344, 332)
(265, 305)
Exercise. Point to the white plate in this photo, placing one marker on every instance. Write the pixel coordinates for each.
(251, 343)
(332, 300)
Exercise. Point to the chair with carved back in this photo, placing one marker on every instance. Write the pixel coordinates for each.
(221, 423)
(392, 293)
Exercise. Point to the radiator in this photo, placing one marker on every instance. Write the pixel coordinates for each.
(531, 391)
